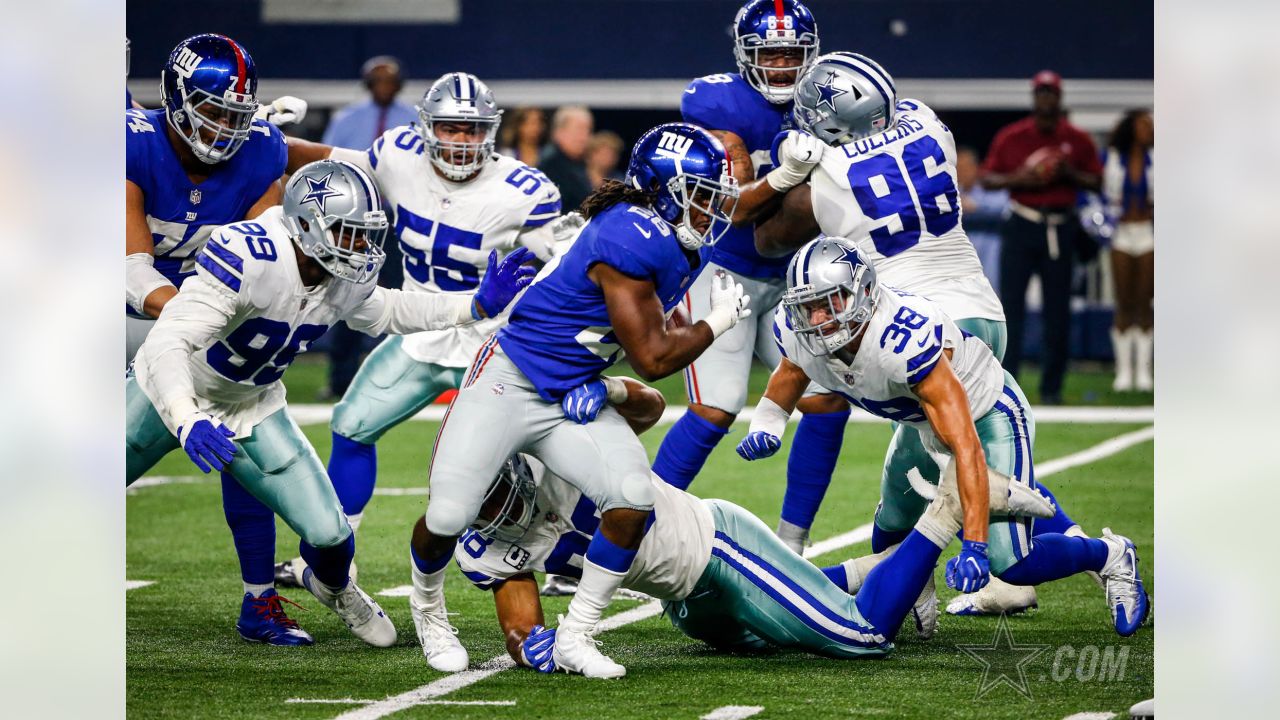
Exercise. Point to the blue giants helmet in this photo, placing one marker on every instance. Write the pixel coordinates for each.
(686, 167)
(764, 25)
(209, 87)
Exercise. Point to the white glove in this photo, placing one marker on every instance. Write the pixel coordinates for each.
(284, 110)
(798, 153)
(564, 230)
(728, 304)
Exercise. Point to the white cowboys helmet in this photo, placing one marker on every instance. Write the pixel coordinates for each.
(459, 98)
(844, 97)
(333, 211)
(510, 505)
(831, 294)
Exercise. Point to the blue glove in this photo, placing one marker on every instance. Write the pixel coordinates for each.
(969, 571)
(207, 442)
(758, 445)
(538, 647)
(583, 403)
(503, 281)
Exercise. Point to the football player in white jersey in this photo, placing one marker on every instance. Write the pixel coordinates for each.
(207, 379)
(888, 181)
(452, 200)
(899, 356)
(724, 578)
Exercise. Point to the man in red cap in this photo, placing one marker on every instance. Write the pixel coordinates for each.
(1043, 161)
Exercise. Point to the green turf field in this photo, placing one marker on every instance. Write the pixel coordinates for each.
(184, 658)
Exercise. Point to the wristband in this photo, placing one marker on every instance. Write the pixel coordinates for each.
(615, 389)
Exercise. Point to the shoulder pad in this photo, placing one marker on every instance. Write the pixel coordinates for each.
(627, 238)
(535, 194)
(708, 100)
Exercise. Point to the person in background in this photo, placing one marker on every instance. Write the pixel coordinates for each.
(1128, 188)
(1044, 162)
(603, 153)
(563, 159)
(356, 126)
(983, 212)
(523, 136)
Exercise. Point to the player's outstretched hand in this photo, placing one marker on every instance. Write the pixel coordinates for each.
(564, 230)
(728, 304)
(798, 153)
(503, 281)
(207, 442)
(284, 110)
(583, 403)
(758, 445)
(969, 571)
(538, 648)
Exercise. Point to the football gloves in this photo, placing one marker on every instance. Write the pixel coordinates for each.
(969, 571)
(538, 647)
(503, 281)
(758, 445)
(207, 442)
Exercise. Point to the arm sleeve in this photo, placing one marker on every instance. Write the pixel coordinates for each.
(546, 209)
(621, 246)
(190, 321)
(925, 359)
(359, 158)
(540, 240)
(402, 313)
(700, 105)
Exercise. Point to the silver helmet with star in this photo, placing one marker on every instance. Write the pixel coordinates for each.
(831, 294)
(333, 211)
(843, 97)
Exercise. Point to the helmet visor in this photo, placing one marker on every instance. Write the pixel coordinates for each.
(459, 146)
(708, 205)
(825, 321)
(508, 508)
(773, 67)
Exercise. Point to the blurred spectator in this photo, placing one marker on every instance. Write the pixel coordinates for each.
(983, 212)
(356, 126)
(1043, 161)
(523, 134)
(563, 159)
(603, 154)
(1128, 187)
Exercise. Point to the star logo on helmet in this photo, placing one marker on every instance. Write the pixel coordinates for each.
(827, 92)
(319, 192)
(849, 256)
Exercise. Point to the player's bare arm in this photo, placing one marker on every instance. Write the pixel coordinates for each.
(947, 408)
(272, 197)
(141, 276)
(786, 385)
(790, 227)
(302, 152)
(519, 609)
(643, 407)
(636, 316)
(798, 154)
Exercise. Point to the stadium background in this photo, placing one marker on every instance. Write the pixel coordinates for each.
(629, 60)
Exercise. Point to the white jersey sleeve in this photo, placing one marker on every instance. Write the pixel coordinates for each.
(400, 313)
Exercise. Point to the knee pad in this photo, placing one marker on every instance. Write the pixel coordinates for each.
(326, 532)
(447, 518)
(349, 422)
(636, 492)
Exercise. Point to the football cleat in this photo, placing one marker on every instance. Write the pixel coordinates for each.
(925, 611)
(577, 652)
(1126, 596)
(439, 639)
(997, 598)
(559, 585)
(363, 616)
(262, 619)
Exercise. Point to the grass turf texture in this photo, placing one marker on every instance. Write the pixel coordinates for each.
(184, 658)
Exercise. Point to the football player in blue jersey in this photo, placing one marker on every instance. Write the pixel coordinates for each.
(775, 40)
(610, 294)
(199, 162)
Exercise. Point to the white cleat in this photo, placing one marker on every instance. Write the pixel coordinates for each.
(1126, 596)
(439, 639)
(363, 616)
(576, 651)
(998, 597)
(925, 611)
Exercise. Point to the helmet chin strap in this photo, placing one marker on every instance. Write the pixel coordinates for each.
(689, 240)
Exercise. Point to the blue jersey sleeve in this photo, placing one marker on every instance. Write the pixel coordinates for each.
(276, 154)
(140, 132)
(626, 243)
(705, 102)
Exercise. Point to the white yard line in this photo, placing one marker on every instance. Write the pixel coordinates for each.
(466, 678)
(733, 712)
(1090, 716)
(354, 701)
(315, 414)
(135, 584)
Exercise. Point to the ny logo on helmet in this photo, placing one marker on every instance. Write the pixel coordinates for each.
(186, 63)
(674, 146)
(780, 28)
